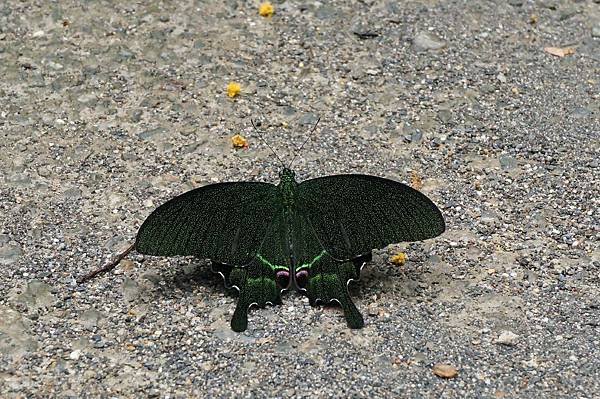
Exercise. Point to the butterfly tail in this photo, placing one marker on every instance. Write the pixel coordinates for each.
(257, 286)
(327, 282)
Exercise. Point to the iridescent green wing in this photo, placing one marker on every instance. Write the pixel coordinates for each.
(225, 222)
(261, 281)
(340, 219)
(353, 214)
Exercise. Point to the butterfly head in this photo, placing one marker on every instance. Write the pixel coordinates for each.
(287, 175)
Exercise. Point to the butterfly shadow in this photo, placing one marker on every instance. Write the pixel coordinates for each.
(189, 275)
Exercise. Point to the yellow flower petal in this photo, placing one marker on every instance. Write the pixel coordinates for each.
(399, 259)
(233, 89)
(239, 141)
(266, 9)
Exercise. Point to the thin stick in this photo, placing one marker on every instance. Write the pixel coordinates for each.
(106, 268)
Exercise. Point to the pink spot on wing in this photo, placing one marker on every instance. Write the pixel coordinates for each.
(302, 278)
(283, 278)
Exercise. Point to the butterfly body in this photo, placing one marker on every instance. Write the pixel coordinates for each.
(312, 237)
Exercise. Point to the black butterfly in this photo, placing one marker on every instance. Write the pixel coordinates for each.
(313, 236)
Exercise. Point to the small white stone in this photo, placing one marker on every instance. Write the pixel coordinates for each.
(507, 338)
(75, 355)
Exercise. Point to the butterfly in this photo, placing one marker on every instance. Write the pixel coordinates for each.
(312, 236)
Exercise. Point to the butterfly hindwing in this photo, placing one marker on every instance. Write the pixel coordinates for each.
(261, 281)
(353, 214)
(225, 222)
(328, 282)
(321, 277)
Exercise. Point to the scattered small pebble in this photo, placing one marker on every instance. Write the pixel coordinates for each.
(424, 41)
(445, 370)
(108, 116)
(507, 338)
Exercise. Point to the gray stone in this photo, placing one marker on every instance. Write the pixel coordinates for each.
(9, 252)
(567, 12)
(90, 318)
(89, 99)
(425, 41)
(131, 290)
(37, 295)
(73, 193)
(550, 4)
(15, 333)
(507, 338)
(581, 112)
(444, 115)
(152, 133)
(136, 115)
(308, 119)
(507, 162)
(416, 136)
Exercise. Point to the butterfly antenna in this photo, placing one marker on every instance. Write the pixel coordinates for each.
(303, 144)
(265, 142)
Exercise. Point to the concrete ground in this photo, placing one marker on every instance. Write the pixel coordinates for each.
(491, 108)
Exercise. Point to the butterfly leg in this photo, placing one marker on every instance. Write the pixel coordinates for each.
(327, 282)
(257, 286)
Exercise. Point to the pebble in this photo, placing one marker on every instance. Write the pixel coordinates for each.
(425, 41)
(37, 295)
(507, 162)
(373, 309)
(10, 252)
(131, 290)
(90, 318)
(507, 338)
(15, 333)
(445, 370)
(75, 355)
(152, 133)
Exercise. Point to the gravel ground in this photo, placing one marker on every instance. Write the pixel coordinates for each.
(107, 110)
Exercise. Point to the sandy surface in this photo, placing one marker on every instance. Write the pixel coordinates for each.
(107, 110)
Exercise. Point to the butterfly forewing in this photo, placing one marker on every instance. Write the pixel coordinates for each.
(225, 222)
(352, 214)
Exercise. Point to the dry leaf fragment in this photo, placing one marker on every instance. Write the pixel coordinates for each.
(415, 180)
(399, 259)
(560, 51)
(266, 9)
(233, 89)
(445, 370)
(239, 141)
(126, 265)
